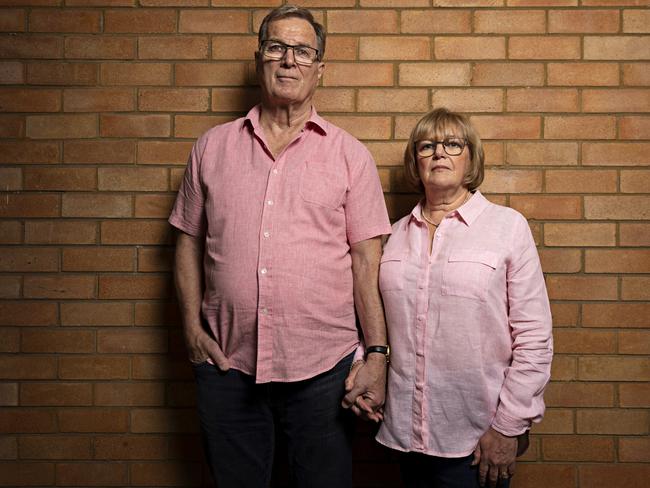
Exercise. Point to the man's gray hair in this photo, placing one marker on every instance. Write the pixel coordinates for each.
(287, 11)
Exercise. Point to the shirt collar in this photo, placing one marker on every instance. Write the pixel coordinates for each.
(316, 121)
(468, 212)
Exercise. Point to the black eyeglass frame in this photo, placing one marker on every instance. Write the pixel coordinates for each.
(286, 47)
(444, 142)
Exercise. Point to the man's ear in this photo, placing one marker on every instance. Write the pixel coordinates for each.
(321, 69)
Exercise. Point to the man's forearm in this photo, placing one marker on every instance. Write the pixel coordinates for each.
(188, 276)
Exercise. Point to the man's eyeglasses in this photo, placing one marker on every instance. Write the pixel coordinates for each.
(276, 50)
(453, 146)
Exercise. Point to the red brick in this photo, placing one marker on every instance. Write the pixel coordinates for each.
(132, 341)
(92, 474)
(30, 152)
(592, 181)
(636, 74)
(358, 74)
(27, 46)
(542, 153)
(29, 100)
(565, 314)
(96, 205)
(579, 21)
(68, 20)
(634, 449)
(133, 179)
(155, 259)
(10, 286)
(94, 367)
(634, 127)
(136, 73)
(151, 367)
(61, 126)
(98, 259)
(394, 48)
(192, 126)
(11, 73)
(509, 21)
(8, 398)
(136, 232)
(175, 47)
(617, 261)
(634, 394)
(54, 447)
(176, 176)
(542, 100)
(64, 179)
(564, 368)
(238, 47)
(433, 74)
(616, 47)
(389, 154)
(211, 74)
(583, 74)
(507, 126)
(560, 260)
(580, 127)
(98, 100)
(12, 20)
(163, 152)
(574, 394)
(130, 394)
(214, 21)
(362, 21)
(27, 420)
(364, 127)
(22, 259)
(468, 3)
(60, 232)
(174, 3)
(135, 125)
(260, 3)
(610, 3)
(456, 48)
(616, 315)
(8, 447)
(539, 47)
(578, 448)
(614, 368)
(507, 74)
(62, 73)
(93, 420)
(556, 421)
(130, 447)
(135, 286)
(28, 313)
(611, 421)
(12, 126)
(636, 21)
(536, 475)
(59, 393)
(391, 100)
(59, 287)
(96, 313)
(635, 288)
(30, 205)
(512, 181)
(112, 152)
(142, 20)
(152, 313)
(616, 153)
(622, 100)
(469, 100)
(436, 21)
(104, 47)
(27, 474)
(634, 342)
(153, 206)
(163, 420)
(169, 474)
(584, 341)
(579, 234)
(617, 207)
(234, 99)
(581, 287)
(173, 100)
(11, 232)
(339, 48)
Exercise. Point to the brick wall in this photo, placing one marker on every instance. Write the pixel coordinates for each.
(100, 102)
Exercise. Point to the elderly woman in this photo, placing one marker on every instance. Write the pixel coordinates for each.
(468, 319)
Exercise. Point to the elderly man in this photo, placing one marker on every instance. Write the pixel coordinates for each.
(280, 216)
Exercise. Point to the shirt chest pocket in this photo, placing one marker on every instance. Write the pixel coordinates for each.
(467, 273)
(391, 274)
(322, 188)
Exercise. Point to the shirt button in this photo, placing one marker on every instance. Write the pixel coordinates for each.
(265, 311)
(263, 270)
(275, 171)
(420, 318)
(269, 202)
(266, 234)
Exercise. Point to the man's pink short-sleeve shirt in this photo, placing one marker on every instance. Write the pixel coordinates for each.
(278, 277)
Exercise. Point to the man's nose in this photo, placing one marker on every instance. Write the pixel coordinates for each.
(289, 59)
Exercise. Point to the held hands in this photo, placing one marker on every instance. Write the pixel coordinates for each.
(495, 454)
(202, 347)
(366, 388)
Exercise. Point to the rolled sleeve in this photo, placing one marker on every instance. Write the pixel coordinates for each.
(188, 213)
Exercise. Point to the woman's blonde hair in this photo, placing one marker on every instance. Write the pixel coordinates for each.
(442, 122)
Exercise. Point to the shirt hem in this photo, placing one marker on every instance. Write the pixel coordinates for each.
(427, 452)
